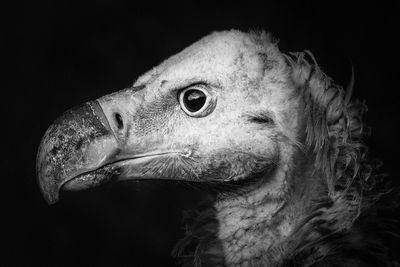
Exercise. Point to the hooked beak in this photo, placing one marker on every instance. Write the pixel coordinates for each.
(78, 144)
(85, 147)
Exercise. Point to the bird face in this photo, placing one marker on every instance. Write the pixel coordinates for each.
(223, 110)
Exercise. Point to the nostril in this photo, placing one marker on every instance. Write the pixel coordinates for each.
(118, 119)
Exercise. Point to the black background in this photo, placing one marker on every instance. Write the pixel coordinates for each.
(58, 54)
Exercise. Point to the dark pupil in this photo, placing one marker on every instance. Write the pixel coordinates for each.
(194, 100)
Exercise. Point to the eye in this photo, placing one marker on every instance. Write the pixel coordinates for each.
(194, 101)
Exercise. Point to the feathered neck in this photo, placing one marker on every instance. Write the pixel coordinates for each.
(267, 225)
(324, 232)
(302, 226)
(254, 227)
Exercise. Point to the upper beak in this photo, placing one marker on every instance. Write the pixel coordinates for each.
(80, 141)
(91, 144)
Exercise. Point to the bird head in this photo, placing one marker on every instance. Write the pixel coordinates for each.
(221, 111)
(230, 110)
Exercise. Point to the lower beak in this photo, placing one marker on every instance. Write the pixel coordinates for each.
(75, 150)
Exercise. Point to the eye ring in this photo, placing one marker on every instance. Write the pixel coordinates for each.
(194, 101)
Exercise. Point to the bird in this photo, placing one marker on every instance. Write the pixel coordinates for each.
(278, 141)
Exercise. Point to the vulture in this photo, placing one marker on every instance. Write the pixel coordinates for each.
(276, 139)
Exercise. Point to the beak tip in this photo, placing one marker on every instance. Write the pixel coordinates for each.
(50, 198)
(64, 151)
(50, 195)
(48, 187)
